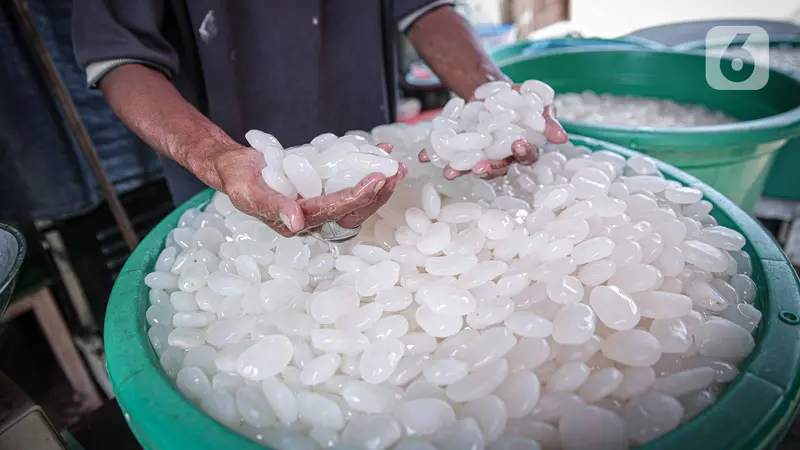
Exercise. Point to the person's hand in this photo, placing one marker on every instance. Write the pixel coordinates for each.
(523, 152)
(351, 207)
(239, 172)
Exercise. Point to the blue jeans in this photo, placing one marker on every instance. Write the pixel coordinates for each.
(43, 173)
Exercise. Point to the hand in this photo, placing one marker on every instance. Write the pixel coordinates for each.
(351, 207)
(523, 152)
(239, 171)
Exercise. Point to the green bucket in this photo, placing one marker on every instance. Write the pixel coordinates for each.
(734, 158)
(782, 180)
(754, 413)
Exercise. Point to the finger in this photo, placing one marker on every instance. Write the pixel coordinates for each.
(280, 209)
(423, 157)
(280, 228)
(451, 174)
(252, 196)
(358, 216)
(493, 168)
(524, 152)
(497, 172)
(402, 170)
(274, 207)
(481, 169)
(326, 208)
(553, 130)
(385, 147)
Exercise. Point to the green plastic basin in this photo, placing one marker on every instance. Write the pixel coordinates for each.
(734, 158)
(782, 180)
(754, 413)
(530, 46)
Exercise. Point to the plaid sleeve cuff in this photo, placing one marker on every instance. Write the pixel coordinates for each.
(410, 19)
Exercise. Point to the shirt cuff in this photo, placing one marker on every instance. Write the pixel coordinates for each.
(97, 70)
(410, 19)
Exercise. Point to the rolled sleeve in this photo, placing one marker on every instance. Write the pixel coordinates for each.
(408, 12)
(110, 33)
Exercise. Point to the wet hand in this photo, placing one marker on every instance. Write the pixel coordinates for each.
(523, 152)
(239, 171)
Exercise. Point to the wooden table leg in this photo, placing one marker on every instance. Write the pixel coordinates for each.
(63, 347)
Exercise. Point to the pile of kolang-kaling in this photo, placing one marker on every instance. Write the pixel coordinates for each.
(635, 111)
(783, 56)
(581, 302)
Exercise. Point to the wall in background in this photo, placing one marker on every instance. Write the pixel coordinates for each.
(488, 12)
(527, 15)
(548, 12)
(612, 18)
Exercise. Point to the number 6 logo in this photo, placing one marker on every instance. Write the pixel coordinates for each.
(737, 58)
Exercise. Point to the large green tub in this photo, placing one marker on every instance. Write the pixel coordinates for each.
(734, 158)
(528, 46)
(782, 180)
(754, 413)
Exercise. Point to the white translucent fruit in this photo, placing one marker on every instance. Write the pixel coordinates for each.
(583, 302)
(635, 111)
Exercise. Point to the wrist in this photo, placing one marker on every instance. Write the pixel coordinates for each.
(208, 159)
(447, 43)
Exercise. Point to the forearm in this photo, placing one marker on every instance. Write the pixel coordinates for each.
(151, 106)
(449, 46)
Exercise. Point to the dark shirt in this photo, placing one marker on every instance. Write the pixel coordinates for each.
(294, 69)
